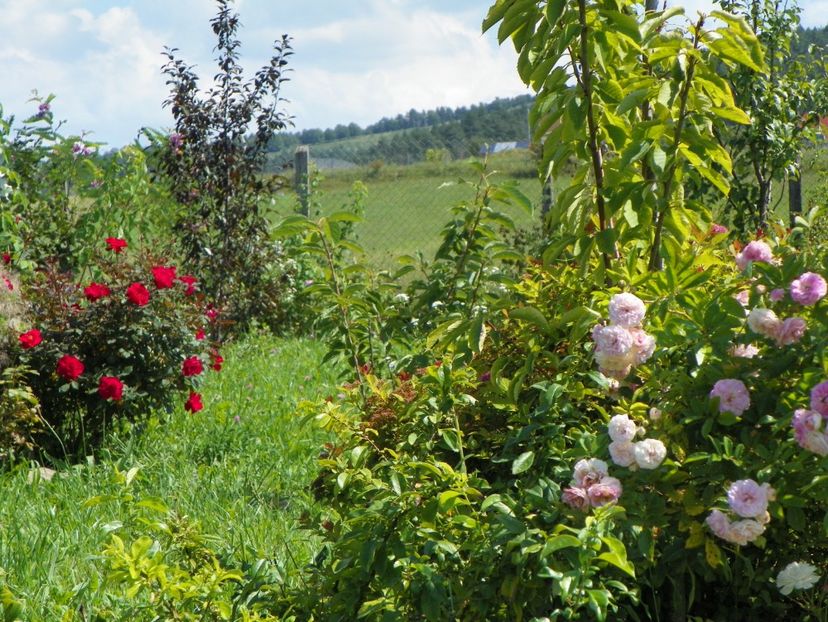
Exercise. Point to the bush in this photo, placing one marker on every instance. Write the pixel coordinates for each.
(127, 339)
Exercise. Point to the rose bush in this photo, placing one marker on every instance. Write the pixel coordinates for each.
(112, 348)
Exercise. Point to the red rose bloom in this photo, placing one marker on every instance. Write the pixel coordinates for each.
(111, 388)
(96, 291)
(212, 313)
(200, 334)
(6, 258)
(192, 367)
(164, 276)
(116, 244)
(190, 282)
(69, 368)
(138, 294)
(30, 339)
(193, 403)
(217, 361)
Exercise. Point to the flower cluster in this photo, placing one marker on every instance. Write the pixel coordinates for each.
(784, 332)
(623, 343)
(646, 454)
(810, 425)
(749, 501)
(591, 486)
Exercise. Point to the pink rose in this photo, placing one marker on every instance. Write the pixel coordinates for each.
(809, 288)
(791, 331)
(819, 398)
(608, 490)
(754, 251)
(733, 396)
(576, 498)
(626, 310)
(748, 498)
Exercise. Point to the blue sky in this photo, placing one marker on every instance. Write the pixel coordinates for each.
(354, 60)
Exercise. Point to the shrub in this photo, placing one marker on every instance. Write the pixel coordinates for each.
(126, 339)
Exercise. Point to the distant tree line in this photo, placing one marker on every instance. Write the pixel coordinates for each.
(406, 138)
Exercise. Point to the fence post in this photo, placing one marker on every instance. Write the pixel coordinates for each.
(795, 194)
(301, 179)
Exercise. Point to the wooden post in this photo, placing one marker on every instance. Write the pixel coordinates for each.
(301, 178)
(795, 194)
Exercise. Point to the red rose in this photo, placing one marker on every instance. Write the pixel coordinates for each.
(96, 291)
(190, 282)
(193, 403)
(30, 339)
(69, 368)
(192, 367)
(6, 258)
(200, 334)
(164, 276)
(212, 313)
(116, 244)
(138, 294)
(111, 388)
(217, 361)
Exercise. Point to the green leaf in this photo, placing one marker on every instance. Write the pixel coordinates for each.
(531, 315)
(523, 462)
(562, 541)
(732, 114)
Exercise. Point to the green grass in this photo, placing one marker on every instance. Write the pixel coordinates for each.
(244, 481)
(407, 206)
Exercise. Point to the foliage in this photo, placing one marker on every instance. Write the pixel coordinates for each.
(213, 168)
(119, 326)
(632, 97)
(785, 103)
(67, 196)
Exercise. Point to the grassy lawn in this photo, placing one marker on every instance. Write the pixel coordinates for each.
(240, 469)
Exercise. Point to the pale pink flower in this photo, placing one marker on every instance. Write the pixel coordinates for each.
(608, 490)
(819, 398)
(588, 472)
(764, 322)
(650, 453)
(754, 251)
(576, 498)
(643, 345)
(621, 428)
(761, 288)
(744, 531)
(733, 396)
(809, 288)
(716, 229)
(748, 498)
(743, 351)
(622, 453)
(777, 295)
(719, 523)
(655, 414)
(809, 431)
(626, 310)
(612, 340)
(791, 331)
(743, 297)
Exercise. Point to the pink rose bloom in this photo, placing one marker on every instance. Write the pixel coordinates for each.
(588, 472)
(808, 431)
(576, 498)
(777, 295)
(622, 453)
(719, 523)
(755, 251)
(626, 310)
(745, 531)
(643, 345)
(733, 396)
(743, 351)
(764, 322)
(612, 340)
(791, 331)
(608, 490)
(819, 398)
(716, 229)
(809, 288)
(748, 499)
(743, 297)
(621, 428)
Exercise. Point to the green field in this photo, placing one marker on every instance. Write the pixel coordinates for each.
(407, 206)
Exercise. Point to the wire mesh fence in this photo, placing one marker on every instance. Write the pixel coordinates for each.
(405, 199)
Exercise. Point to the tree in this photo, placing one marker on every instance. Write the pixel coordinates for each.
(213, 166)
